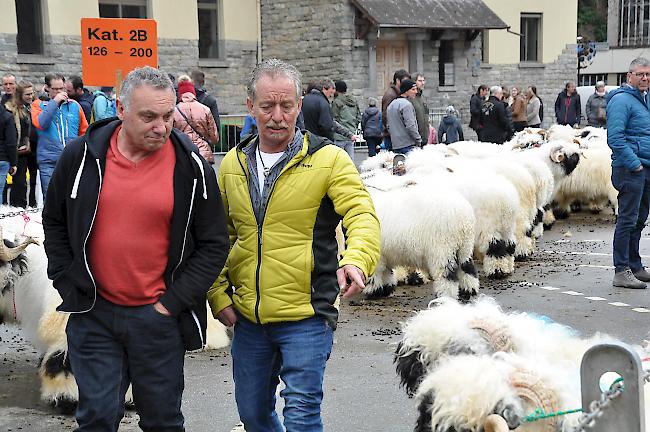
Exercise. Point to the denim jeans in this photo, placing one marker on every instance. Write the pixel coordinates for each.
(633, 204)
(404, 150)
(388, 144)
(348, 146)
(45, 168)
(112, 346)
(294, 351)
(373, 144)
(4, 170)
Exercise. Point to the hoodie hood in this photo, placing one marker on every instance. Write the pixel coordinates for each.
(188, 97)
(449, 119)
(347, 99)
(625, 88)
(372, 110)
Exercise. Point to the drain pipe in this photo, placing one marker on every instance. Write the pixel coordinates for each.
(259, 31)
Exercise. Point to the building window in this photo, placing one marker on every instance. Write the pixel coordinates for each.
(635, 23)
(123, 8)
(621, 78)
(446, 63)
(29, 19)
(485, 46)
(592, 79)
(531, 38)
(210, 44)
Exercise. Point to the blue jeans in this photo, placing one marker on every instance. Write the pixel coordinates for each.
(294, 351)
(388, 144)
(45, 169)
(4, 170)
(348, 146)
(633, 206)
(112, 346)
(404, 150)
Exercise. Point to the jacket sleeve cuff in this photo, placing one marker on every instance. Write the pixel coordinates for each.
(357, 264)
(218, 300)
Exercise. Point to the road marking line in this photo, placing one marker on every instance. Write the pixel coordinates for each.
(619, 304)
(641, 310)
(596, 266)
(549, 288)
(551, 252)
(595, 298)
(572, 293)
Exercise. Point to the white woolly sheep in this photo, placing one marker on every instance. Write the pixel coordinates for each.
(429, 230)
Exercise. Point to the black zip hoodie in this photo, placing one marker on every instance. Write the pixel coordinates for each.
(198, 240)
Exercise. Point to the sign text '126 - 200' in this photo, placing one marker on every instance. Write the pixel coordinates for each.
(112, 44)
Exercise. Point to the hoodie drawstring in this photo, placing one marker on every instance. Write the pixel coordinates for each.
(77, 179)
(198, 161)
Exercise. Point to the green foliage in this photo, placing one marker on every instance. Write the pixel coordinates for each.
(592, 19)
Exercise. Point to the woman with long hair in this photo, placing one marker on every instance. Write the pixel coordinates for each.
(19, 106)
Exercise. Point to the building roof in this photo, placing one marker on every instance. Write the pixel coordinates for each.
(430, 14)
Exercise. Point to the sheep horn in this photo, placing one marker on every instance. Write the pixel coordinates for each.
(557, 155)
(8, 254)
(495, 423)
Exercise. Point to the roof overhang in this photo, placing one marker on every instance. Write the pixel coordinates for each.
(430, 14)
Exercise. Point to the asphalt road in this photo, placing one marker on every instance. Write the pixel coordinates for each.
(568, 280)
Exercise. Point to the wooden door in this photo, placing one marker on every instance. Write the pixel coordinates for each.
(391, 56)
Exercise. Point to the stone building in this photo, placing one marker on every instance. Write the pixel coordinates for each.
(219, 37)
(457, 44)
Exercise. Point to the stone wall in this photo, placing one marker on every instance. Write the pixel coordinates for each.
(224, 78)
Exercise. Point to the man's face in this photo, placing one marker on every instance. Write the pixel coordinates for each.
(639, 77)
(28, 95)
(275, 109)
(55, 87)
(148, 122)
(420, 82)
(329, 93)
(410, 94)
(9, 85)
(483, 92)
(72, 92)
(571, 88)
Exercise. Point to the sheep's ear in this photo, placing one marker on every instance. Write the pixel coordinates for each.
(409, 367)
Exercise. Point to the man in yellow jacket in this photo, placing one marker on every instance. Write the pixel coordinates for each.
(284, 193)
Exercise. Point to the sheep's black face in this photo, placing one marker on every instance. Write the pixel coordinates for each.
(410, 369)
(570, 163)
(510, 413)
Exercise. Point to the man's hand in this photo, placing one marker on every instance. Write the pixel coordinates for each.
(227, 316)
(161, 309)
(640, 168)
(351, 280)
(12, 170)
(61, 98)
(355, 138)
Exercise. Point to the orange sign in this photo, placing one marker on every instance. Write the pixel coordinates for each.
(109, 45)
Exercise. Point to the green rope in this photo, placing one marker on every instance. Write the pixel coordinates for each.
(539, 413)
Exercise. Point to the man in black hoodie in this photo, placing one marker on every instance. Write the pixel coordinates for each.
(494, 121)
(567, 106)
(135, 235)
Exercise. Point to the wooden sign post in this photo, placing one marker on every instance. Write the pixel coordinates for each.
(109, 45)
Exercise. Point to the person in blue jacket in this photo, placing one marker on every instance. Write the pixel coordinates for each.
(57, 122)
(628, 135)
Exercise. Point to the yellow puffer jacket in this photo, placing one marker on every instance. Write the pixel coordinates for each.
(287, 271)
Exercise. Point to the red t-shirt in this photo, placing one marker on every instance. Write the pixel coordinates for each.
(129, 242)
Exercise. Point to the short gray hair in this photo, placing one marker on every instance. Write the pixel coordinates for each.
(495, 89)
(600, 84)
(639, 62)
(273, 68)
(144, 76)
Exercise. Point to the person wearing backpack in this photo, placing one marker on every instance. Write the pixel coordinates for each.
(195, 119)
(450, 129)
(371, 127)
(103, 105)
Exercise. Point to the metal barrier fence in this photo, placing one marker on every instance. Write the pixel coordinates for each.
(231, 126)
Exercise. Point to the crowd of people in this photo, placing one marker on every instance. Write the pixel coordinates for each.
(36, 123)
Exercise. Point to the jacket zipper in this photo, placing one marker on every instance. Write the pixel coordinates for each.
(259, 240)
(92, 222)
(180, 260)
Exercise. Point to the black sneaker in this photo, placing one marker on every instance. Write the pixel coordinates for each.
(642, 274)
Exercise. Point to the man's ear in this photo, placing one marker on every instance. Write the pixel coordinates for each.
(119, 108)
(249, 105)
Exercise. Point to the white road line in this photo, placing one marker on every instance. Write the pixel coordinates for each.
(641, 310)
(619, 304)
(595, 298)
(549, 288)
(572, 293)
(596, 266)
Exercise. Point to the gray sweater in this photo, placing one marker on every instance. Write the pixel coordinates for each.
(402, 124)
(532, 112)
